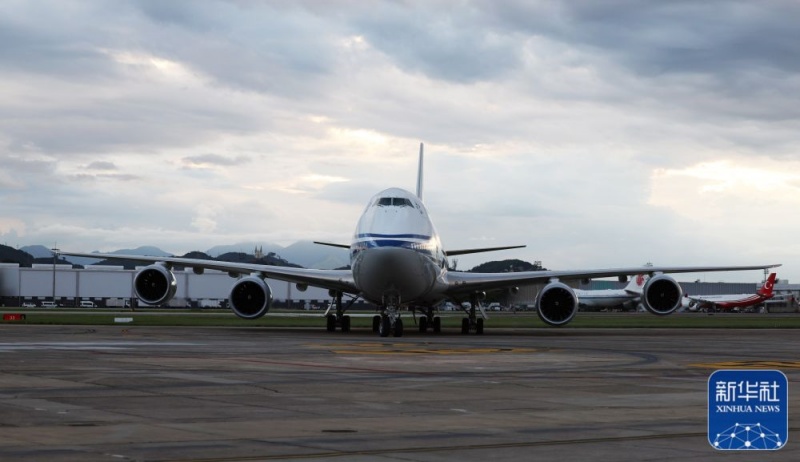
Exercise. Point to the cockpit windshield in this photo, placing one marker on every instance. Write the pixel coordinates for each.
(394, 202)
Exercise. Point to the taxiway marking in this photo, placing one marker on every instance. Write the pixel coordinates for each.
(749, 365)
(416, 349)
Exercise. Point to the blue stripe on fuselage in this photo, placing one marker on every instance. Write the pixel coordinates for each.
(393, 236)
(422, 247)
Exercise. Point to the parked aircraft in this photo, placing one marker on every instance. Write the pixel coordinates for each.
(398, 262)
(628, 298)
(732, 301)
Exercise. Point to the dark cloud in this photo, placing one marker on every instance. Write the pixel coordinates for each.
(454, 45)
(713, 37)
(90, 123)
(50, 45)
(27, 164)
(101, 165)
(106, 176)
(263, 47)
(204, 160)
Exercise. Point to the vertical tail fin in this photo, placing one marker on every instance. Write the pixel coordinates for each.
(419, 174)
(637, 283)
(766, 289)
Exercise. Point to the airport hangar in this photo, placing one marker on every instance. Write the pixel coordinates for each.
(112, 286)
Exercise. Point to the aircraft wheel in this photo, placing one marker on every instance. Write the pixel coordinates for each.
(385, 326)
(423, 324)
(465, 326)
(437, 324)
(398, 328)
(479, 327)
(376, 323)
(345, 323)
(331, 323)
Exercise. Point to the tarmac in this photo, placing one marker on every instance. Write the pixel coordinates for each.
(113, 393)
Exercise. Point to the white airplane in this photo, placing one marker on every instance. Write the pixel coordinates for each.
(730, 302)
(397, 261)
(598, 299)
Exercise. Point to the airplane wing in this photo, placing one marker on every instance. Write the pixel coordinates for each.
(463, 282)
(453, 253)
(341, 280)
(333, 244)
(697, 299)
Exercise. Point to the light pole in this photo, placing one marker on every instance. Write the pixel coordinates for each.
(55, 256)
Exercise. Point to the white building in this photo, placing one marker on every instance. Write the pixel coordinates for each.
(111, 285)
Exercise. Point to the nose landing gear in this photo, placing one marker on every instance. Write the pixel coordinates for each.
(430, 321)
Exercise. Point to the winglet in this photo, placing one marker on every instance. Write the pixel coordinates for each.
(766, 289)
(419, 174)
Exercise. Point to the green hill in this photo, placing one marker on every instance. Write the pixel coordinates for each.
(12, 255)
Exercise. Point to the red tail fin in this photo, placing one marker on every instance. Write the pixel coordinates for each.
(766, 289)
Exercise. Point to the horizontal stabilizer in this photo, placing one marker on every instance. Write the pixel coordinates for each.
(343, 246)
(453, 253)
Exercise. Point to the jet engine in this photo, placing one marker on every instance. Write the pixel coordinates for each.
(556, 304)
(155, 284)
(250, 297)
(661, 295)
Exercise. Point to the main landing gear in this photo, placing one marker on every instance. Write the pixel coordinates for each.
(338, 318)
(472, 323)
(390, 323)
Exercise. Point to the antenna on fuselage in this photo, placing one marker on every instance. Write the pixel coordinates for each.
(419, 174)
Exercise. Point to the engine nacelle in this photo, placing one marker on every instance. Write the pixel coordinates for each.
(250, 297)
(661, 295)
(556, 304)
(155, 284)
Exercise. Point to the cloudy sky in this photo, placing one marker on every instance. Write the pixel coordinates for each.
(599, 133)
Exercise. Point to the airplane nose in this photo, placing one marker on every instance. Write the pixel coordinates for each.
(388, 261)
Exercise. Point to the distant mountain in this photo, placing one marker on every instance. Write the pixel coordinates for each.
(243, 247)
(198, 255)
(310, 255)
(303, 253)
(506, 266)
(128, 264)
(42, 255)
(148, 250)
(38, 251)
(269, 259)
(59, 261)
(12, 255)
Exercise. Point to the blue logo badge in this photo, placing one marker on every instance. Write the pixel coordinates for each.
(748, 409)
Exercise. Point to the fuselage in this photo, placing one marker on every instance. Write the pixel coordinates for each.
(604, 298)
(396, 255)
(731, 301)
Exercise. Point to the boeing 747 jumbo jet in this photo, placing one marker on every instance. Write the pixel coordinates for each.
(733, 301)
(397, 262)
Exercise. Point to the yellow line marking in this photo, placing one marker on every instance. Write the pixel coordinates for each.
(374, 348)
(749, 365)
(392, 350)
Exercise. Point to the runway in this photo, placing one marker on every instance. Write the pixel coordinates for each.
(116, 393)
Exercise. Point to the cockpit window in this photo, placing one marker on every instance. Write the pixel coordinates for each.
(394, 202)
